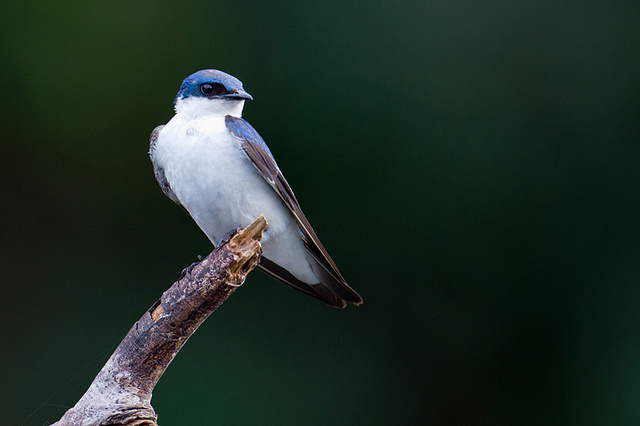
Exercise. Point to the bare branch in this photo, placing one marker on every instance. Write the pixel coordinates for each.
(121, 393)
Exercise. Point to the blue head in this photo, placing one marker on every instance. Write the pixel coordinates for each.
(212, 84)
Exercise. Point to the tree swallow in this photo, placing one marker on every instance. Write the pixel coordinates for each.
(216, 166)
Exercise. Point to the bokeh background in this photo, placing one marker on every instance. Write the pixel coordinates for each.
(473, 168)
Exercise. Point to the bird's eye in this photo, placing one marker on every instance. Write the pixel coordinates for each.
(209, 89)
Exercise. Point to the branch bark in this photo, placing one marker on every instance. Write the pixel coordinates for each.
(121, 392)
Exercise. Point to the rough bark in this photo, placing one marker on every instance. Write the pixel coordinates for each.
(121, 393)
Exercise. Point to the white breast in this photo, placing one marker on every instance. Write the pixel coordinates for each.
(216, 182)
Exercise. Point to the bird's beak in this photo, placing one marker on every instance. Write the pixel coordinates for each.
(238, 95)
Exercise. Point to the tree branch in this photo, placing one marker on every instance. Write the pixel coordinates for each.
(121, 392)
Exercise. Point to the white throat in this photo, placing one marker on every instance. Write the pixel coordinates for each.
(203, 107)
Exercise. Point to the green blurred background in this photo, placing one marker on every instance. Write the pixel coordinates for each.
(473, 168)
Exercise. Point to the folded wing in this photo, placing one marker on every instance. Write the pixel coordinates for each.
(332, 289)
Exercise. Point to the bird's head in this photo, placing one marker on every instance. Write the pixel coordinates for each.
(211, 91)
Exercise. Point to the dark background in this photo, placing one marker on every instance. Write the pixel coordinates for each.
(472, 167)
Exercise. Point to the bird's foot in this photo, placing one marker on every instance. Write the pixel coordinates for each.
(229, 235)
(189, 268)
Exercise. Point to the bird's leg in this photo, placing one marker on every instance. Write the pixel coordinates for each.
(229, 235)
(188, 269)
(225, 239)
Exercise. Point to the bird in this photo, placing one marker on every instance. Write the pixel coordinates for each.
(216, 166)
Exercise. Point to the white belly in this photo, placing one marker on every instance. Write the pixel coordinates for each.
(216, 182)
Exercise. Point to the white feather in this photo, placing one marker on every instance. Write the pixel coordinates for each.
(215, 181)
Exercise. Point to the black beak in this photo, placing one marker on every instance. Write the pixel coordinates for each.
(238, 95)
